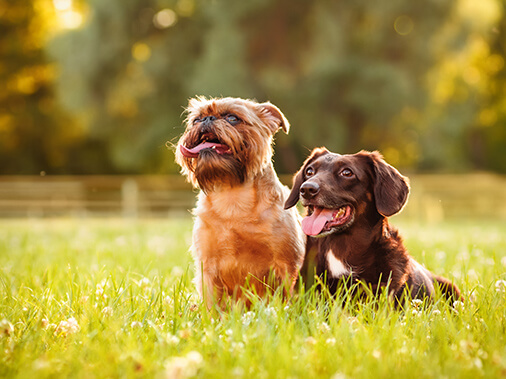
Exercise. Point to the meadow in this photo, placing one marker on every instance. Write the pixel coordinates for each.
(97, 298)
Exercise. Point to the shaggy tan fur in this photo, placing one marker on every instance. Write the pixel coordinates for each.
(242, 236)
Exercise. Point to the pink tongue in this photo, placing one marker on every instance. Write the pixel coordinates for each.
(194, 152)
(313, 225)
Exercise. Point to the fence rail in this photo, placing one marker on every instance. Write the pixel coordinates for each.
(433, 197)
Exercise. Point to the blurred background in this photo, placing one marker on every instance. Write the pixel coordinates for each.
(92, 95)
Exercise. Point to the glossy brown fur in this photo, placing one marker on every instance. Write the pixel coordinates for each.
(242, 235)
(370, 250)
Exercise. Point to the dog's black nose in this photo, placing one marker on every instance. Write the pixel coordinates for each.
(208, 120)
(309, 190)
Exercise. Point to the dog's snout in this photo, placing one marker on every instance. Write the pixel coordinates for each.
(308, 190)
(208, 119)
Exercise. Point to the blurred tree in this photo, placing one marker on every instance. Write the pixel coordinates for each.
(409, 79)
(488, 138)
(33, 133)
(461, 85)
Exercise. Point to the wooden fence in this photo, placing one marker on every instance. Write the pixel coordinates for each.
(432, 198)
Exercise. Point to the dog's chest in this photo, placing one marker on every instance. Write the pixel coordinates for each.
(336, 268)
(235, 221)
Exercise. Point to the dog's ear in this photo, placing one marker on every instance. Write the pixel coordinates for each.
(391, 189)
(278, 119)
(298, 179)
(293, 198)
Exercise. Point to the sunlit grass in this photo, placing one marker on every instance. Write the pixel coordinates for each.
(114, 298)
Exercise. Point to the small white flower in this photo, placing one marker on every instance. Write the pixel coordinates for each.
(172, 339)
(500, 286)
(6, 328)
(67, 327)
(194, 357)
(503, 261)
(237, 347)
(136, 325)
(330, 341)
(184, 367)
(458, 305)
(107, 311)
(270, 311)
(44, 323)
(144, 283)
(323, 327)
(311, 340)
(247, 318)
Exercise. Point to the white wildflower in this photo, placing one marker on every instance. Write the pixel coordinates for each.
(136, 325)
(376, 354)
(330, 341)
(107, 311)
(458, 305)
(236, 347)
(503, 261)
(172, 339)
(270, 311)
(6, 328)
(323, 327)
(144, 283)
(311, 340)
(184, 367)
(500, 286)
(247, 318)
(67, 327)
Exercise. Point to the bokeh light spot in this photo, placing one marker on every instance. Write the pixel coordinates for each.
(165, 18)
(403, 25)
(141, 52)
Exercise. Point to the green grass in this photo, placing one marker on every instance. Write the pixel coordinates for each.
(112, 298)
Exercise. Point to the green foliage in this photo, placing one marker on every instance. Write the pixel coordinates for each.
(419, 81)
(33, 131)
(112, 298)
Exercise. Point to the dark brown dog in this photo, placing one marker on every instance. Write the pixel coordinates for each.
(348, 198)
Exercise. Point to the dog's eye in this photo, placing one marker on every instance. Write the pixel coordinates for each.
(347, 173)
(309, 171)
(232, 119)
(196, 120)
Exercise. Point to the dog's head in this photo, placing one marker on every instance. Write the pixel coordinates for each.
(227, 140)
(339, 190)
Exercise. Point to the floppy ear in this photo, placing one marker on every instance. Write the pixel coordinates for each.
(293, 198)
(391, 189)
(278, 119)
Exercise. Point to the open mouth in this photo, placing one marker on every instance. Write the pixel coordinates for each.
(323, 221)
(207, 141)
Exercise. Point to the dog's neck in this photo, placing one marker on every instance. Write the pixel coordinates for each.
(233, 202)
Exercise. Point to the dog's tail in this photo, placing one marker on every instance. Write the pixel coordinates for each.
(448, 289)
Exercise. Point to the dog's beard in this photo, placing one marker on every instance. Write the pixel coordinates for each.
(249, 152)
(213, 171)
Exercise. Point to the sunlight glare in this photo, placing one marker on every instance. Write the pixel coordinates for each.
(62, 5)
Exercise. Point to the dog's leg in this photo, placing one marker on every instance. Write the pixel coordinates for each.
(448, 289)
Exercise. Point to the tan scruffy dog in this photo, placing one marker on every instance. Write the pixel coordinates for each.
(242, 236)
